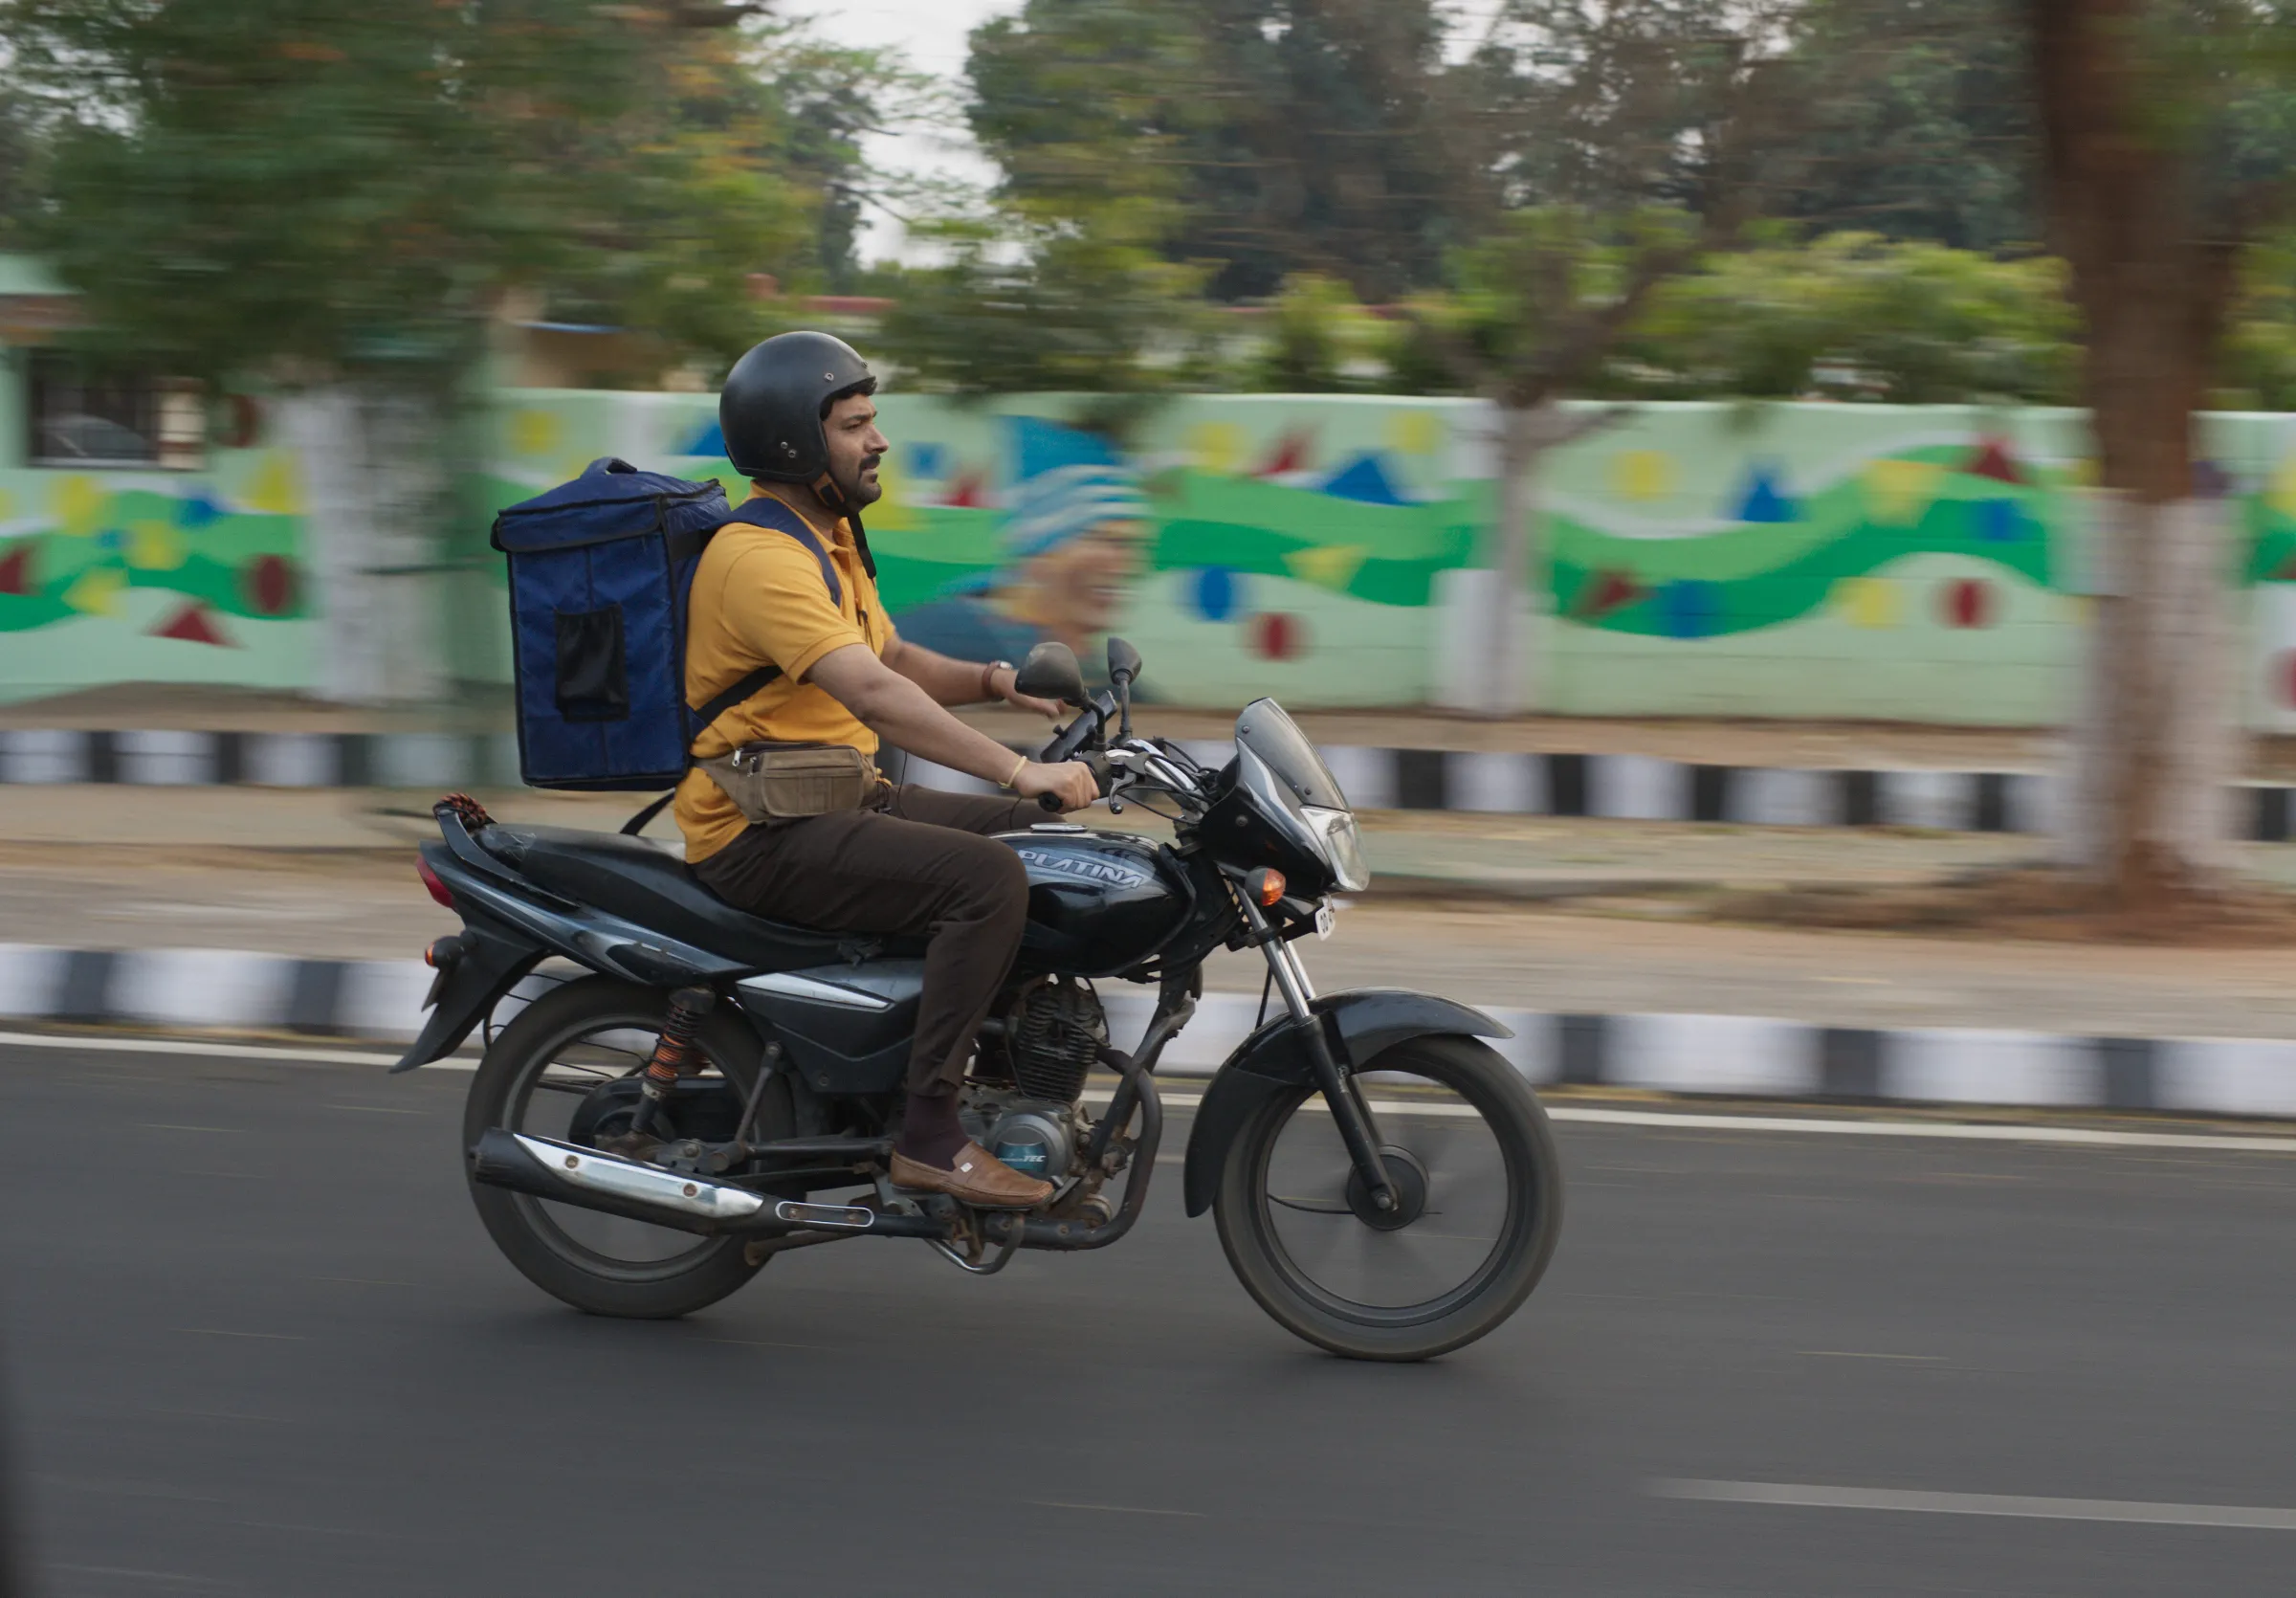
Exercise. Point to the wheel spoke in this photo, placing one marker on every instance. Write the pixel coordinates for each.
(1451, 1238)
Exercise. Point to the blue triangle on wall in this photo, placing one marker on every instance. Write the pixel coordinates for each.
(1764, 501)
(1364, 479)
(708, 441)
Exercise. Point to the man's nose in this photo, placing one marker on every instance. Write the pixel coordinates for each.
(878, 443)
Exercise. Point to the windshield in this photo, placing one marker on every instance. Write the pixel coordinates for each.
(1284, 750)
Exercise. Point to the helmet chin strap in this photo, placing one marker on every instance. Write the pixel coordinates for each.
(834, 497)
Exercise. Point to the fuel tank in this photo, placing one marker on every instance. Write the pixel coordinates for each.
(1098, 902)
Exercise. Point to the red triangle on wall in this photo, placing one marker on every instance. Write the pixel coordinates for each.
(193, 624)
(1290, 454)
(15, 572)
(1992, 460)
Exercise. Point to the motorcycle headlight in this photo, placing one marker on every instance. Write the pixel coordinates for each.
(1342, 845)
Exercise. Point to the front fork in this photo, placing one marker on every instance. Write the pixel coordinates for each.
(1349, 1113)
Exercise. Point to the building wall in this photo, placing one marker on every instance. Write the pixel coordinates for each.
(1779, 560)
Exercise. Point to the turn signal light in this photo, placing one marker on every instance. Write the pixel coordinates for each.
(438, 889)
(1265, 886)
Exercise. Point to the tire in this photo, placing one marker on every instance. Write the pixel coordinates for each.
(525, 1231)
(1524, 1237)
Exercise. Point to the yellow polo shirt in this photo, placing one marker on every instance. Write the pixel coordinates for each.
(759, 600)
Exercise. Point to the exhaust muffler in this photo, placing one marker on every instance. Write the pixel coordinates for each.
(589, 1179)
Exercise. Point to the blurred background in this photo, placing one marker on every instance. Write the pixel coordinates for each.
(1782, 513)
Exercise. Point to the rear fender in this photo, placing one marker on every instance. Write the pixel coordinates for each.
(1359, 1025)
(491, 962)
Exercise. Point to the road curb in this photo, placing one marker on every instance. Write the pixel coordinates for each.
(1739, 1056)
(1622, 786)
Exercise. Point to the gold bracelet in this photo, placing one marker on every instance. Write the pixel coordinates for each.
(1021, 766)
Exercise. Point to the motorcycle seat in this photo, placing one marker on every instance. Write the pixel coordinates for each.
(642, 882)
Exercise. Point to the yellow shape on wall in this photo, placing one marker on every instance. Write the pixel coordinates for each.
(78, 503)
(1642, 474)
(1413, 432)
(276, 488)
(8, 505)
(1216, 447)
(97, 593)
(155, 546)
(534, 432)
(1898, 491)
(2282, 497)
(1867, 601)
(892, 512)
(1332, 566)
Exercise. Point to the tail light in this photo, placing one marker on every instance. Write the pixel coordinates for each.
(439, 891)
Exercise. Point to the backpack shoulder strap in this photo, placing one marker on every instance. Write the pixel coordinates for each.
(766, 511)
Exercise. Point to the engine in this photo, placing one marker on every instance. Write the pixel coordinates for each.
(1052, 1035)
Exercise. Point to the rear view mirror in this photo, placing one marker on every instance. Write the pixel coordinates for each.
(1052, 673)
(1123, 661)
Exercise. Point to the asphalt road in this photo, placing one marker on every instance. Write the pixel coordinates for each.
(255, 1343)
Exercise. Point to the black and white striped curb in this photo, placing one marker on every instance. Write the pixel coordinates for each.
(1627, 786)
(1738, 1057)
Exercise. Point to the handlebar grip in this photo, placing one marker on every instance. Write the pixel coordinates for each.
(1048, 802)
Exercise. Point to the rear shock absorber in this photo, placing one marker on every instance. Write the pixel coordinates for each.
(673, 1054)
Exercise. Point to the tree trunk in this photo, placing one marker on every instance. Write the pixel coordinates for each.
(374, 496)
(1518, 600)
(2155, 744)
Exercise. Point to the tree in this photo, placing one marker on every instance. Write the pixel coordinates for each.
(1927, 130)
(1029, 304)
(1276, 128)
(337, 201)
(2166, 144)
(1624, 141)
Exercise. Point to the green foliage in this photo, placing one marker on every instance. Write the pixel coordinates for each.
(1920, 123)
(1289, 136)
(1049, 305)
(317, 191)
(1854, 317)
(1314, 340)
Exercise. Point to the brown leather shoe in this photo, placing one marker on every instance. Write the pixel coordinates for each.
(981, 1179)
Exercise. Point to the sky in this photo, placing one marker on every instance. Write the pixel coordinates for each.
(932, 33)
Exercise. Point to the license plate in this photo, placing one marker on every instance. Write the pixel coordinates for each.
(1324, 918)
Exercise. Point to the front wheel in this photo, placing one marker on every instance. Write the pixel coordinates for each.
(1470, 1158)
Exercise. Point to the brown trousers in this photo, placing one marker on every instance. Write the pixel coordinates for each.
(916, 861)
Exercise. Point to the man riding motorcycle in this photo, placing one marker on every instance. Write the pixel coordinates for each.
(799, 422)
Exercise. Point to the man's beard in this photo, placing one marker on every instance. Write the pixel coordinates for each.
(860, 493)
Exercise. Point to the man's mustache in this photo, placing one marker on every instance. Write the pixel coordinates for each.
(869, 462)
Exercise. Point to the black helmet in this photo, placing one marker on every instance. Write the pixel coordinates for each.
(770, 408)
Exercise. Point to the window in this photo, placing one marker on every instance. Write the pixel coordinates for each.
(87, 416)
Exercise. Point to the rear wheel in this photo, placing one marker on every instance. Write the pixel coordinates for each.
(1469, 1155)
(550, 1074)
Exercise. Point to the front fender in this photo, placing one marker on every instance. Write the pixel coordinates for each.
(1360, 1025)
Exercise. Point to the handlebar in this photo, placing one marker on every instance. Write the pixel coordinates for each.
(1097, 765)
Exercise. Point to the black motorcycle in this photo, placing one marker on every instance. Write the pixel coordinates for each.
(714, 1088)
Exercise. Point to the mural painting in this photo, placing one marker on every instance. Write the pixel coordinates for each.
(1803, 561)
(148, 575)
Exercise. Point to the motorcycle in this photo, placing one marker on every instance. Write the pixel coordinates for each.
(715, 1088)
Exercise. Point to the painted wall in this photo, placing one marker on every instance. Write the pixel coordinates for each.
(134, 576)
(1778, 560)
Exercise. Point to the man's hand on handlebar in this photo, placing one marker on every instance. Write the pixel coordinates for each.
(1068, 785)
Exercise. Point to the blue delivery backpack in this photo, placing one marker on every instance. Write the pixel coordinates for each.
(600, 571)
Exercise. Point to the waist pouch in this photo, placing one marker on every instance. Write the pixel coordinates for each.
(786, 782)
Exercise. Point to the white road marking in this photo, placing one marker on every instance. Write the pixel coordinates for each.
(214, 1051)
(1980, 1132)
(1795, 1495)
(2095, 1137)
